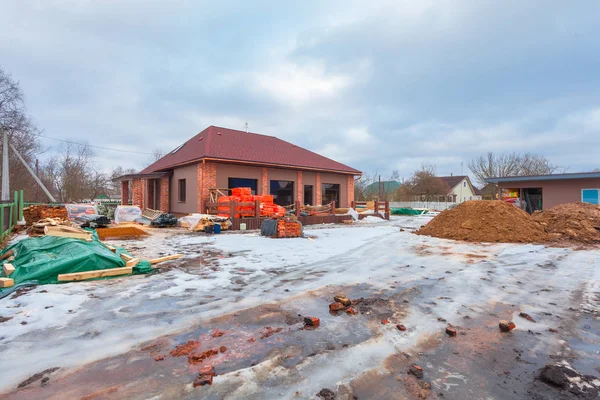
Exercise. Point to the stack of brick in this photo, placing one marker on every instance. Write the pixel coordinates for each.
(244, 195)
(288, 229)
(33, 214)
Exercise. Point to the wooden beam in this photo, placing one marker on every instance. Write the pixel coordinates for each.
(6, 282)
(132, 263)
(165, 258)
(57, 231)
(126, 257)
(101, 273)
(6, 255)
(8, 269)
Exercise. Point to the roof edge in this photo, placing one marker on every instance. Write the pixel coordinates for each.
(549, 177)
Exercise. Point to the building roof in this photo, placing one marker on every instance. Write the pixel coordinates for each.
(452, 181)
(222, 144)
(388, 186)
(550, 177)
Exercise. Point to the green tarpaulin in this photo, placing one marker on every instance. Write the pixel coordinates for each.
(405, 211)
(40, 260)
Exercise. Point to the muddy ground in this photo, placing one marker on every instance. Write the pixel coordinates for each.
(237, 303)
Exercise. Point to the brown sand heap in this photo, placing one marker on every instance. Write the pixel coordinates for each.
(579, 222)
(485, 221)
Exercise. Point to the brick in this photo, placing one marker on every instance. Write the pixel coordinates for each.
(312, 321)
(351, 311)
(401, 327)
(342, 299)
(506, 326)
(416, 371)
(335, 306)
(451, 332)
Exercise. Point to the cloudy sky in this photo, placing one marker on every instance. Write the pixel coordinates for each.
(379, 85)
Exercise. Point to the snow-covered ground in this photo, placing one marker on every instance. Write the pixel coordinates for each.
(73, 325)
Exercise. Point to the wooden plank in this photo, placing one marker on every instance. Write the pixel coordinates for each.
(111, 248)
(6, 282)
(165, 258)
(132, 263)
(56, 231)
(8, 269)
(6, 255)
(126, 257)
(101, 273)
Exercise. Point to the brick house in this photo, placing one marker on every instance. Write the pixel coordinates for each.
(221, 158)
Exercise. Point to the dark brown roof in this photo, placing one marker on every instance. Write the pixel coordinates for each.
(238, 146)
(452, 181)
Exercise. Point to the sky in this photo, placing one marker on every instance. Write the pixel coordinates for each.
(380, 86)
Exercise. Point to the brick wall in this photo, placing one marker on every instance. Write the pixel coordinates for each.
(137, 192)
(124, 192)
(164, 194)
(207, 179)
(264, 182)
(350, 190)
(300, 188)
(318, 194)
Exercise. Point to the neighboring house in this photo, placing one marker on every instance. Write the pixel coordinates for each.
(221, 158)
(541, 192)
(460, 189)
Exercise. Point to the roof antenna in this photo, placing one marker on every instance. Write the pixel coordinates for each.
(246, 124)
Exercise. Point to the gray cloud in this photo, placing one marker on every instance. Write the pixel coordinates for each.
(381, 87)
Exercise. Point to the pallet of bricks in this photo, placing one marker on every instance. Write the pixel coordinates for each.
(287, 228)
(35, 213)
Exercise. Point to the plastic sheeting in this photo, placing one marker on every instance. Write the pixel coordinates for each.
(269, 228)
(40, 260)
(77, 210)
(127, 214)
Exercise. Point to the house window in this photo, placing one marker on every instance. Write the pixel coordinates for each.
(591, 196)
(308, 195)
(242, 182)
(283, 192)
(181, 190)
(331, 192)
(464, 183)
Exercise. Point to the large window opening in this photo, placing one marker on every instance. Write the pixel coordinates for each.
(591, 196)
(283, 192)
(243, 182)
(532, 199)
(308, 195)
(181, 190)
(331, 192)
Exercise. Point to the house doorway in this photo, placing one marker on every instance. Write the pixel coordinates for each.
(153, 194)
(533, 199)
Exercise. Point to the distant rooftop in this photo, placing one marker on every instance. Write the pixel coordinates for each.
(550, 177)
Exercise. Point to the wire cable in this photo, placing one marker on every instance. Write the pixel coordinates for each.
(96, 147)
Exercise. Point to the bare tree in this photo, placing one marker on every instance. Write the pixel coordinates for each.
(22, 134)
(509, 164)
(157, 154)
(395, 176)
(425, 185)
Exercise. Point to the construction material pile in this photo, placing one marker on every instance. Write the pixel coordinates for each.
(33, 214)
(578, 222)
(121, 232)
(244, 195)
(486, 221)
(281, 228)
(38, 228)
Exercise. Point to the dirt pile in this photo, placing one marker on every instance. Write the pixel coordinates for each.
(578, 222)
(486, 221)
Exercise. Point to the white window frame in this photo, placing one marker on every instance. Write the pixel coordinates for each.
(596, 189)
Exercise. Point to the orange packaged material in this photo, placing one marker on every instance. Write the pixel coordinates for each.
(288, 229)
(239, 192)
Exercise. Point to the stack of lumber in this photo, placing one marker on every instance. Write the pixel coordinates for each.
(288, 229)
(121, 232)
(68, 231)
(38, 228)
(35, 213)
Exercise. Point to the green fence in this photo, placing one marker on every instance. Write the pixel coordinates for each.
(11, 211)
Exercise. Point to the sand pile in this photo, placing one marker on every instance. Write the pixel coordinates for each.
(486, 221)
(578, 222)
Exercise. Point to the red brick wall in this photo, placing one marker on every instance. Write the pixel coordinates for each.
(164, 194)
(300, 188)
(207, 179)
(350, 190)
(124, 192)
(264, 181)
(137, 194)
(318, 188)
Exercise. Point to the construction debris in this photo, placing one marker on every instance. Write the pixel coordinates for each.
(165, 258)
(69, 232)
(6, 282)
(506, 326)
(8, 269)
(38, 228)
(81, 276)
(312, 322)
(526, 316)
(485, 221)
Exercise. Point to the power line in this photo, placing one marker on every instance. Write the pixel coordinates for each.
(96, 147)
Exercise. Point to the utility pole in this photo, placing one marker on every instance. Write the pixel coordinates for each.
(5, 171)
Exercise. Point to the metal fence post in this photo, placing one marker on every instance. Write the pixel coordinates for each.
(2, 208)
(21, 202)
(16, 208)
